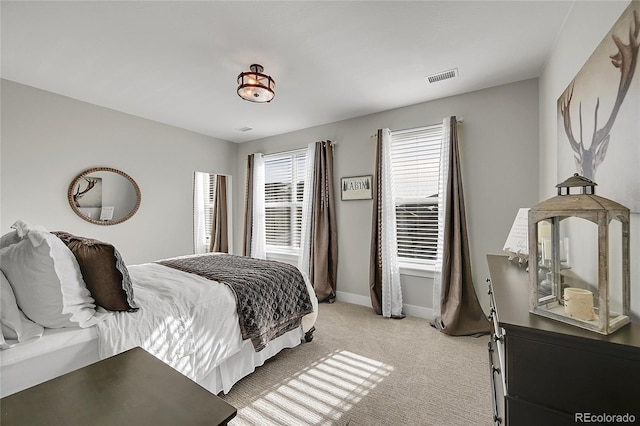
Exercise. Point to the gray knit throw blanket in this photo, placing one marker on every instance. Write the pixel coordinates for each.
(271, 297)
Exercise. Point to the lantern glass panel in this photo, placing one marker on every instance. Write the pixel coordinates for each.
(547, 290)
(615, 269)
(580, 275)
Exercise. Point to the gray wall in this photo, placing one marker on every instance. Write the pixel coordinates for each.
(583, 31)
(48, 139)
(508, 143)
(499, 149)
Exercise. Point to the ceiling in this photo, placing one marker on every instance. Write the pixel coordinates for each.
(176, 62)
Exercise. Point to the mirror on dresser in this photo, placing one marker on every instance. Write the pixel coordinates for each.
(104, 196)
(212, 219)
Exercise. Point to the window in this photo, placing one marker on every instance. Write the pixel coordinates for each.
(203, 203)
(415, 158)
(283, 190)
(209, 205)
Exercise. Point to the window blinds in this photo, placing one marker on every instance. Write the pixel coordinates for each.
(415, 158)
(284, 187)
(209, 205)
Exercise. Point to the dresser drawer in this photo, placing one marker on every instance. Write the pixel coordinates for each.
(523, 413)
(497, 338)
(497, 390)
(571, 377)
(496, 362)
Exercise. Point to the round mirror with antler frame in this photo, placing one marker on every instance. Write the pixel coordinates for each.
(104, 196)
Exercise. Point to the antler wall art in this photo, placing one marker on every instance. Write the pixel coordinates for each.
(599, 115)
(81, 196)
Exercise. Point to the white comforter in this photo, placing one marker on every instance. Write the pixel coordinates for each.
(187, 321)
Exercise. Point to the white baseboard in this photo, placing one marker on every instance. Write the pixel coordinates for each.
(411, 310)
(418, 311)
(356, 299)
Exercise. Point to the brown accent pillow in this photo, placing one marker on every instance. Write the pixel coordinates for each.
(103, 270)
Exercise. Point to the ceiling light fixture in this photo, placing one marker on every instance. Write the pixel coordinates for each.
(254, 86)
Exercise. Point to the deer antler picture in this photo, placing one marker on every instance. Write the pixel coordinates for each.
(598, 114)
(626, 59)
(79, 193)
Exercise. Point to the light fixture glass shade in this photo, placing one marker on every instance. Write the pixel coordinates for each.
(254, 86)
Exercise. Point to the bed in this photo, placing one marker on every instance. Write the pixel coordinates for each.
(171, 308)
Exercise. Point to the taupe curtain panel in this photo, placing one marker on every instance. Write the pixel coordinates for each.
(384, 274)
(323, 268)
(460, 311)
(375, 265)
(219, 228)
(248, 208)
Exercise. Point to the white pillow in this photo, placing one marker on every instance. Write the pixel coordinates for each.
(47, 282)
(21, 229)
(16, 327)
(9, 238)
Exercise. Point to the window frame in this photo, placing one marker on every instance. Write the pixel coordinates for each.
(412, 266)
(207, 198)
(286, 252)
(209, 206)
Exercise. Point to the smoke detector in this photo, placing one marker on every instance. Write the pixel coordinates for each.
(444, 75)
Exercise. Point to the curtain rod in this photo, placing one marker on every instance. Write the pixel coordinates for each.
(459, 120)
(333, 143)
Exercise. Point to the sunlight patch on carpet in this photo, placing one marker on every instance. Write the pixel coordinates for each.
(318, 395)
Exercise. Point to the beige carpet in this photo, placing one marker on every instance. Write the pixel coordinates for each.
(362, 369)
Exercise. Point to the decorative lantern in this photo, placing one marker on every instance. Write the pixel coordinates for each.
(579, 270)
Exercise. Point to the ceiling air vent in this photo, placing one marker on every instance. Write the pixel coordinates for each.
(245, 129)
(442, 76)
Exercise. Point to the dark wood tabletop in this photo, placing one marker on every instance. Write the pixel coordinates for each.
(511, 285)
(132, 388)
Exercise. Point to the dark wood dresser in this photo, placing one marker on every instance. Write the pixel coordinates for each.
(546, 372)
